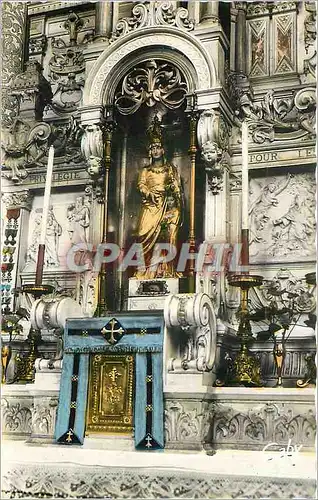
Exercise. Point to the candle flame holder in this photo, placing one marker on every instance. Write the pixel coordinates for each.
(246, 368)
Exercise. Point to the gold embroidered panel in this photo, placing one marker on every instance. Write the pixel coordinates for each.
(110, 394)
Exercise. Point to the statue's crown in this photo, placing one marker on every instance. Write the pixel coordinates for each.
(155, 132)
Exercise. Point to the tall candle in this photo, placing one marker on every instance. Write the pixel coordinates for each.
(245, 224)
(47, 194)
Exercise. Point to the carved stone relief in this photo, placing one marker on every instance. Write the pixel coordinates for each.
(13, 24)
(279, 118)
(68, 224)
(61, 481)
(153, 14)
(95, 83)
(213, 135)
(260, 425)
(151, 82)
(183, 424)
(44, 416)
(285, 42)
(16, 416)
(282, 217)
(310, 25)
(67, 68)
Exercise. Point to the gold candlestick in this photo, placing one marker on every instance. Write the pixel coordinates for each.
(246, 368)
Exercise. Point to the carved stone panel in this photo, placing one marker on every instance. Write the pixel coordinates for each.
(68, 224)
(282, 218)
(246, 425)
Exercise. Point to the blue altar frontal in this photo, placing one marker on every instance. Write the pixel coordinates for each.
(136, 332)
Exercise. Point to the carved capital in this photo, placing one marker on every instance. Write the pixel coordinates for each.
(19, 199)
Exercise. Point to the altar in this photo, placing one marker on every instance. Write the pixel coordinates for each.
(96, 353)
(158, 251)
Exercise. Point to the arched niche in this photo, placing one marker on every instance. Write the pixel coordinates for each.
(129, 148)
(179, 48)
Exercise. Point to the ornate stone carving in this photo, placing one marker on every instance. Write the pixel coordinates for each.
(63, 481)
(18, 199)
(78, 216)
(37, 45)
(150, 83)
(285, 283)
(15, 418)
(53, 233)
(258, 426)
(92, 150)
(205, 70)
(13, 25)
(283, 226)
(310, 25)
(67, 68)
(32, 90)
(285, 37)
(182, 425)
(43, 416)
(194, 313)
(213, 136)
(153, 14)
(278, 118)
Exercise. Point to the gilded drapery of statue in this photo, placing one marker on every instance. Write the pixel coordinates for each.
(160, 215)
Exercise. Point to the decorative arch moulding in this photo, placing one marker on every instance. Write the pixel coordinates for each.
(181, 49)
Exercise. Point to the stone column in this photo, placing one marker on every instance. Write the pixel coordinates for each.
(211, 14)
(104, 19)
(240, 59)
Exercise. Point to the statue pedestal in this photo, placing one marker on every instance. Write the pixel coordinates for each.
(150, 294)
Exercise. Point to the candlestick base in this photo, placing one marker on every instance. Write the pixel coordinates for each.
(245, 369)
(37, 290)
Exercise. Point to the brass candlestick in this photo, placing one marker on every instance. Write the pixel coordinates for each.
(246, 368)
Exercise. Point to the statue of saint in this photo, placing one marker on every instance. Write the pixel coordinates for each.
(159, 184)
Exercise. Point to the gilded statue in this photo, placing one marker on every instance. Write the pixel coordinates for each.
(160, 218)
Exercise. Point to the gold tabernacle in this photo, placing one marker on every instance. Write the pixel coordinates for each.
(110, 394)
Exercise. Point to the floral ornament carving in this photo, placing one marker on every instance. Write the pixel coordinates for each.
(181, 424)
(67, 67)
(310, 25)
(151, 83)
(260, 425)
(60, 481)
(23, 145)
(16, 418)
(280, 118)
(153, 14)
(13, 25)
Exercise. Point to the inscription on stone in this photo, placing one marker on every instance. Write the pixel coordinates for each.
(271, 156)
(57, 177)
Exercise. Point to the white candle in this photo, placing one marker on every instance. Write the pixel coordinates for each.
(47, 194)
(245, 224)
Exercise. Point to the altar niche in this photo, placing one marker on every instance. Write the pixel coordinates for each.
(151, 120)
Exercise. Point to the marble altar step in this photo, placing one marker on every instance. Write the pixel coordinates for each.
(57, 471)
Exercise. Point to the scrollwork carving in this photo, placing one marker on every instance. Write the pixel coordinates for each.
(152, 14)
(278, 118)
(150, 83)
(195, 315)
